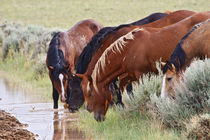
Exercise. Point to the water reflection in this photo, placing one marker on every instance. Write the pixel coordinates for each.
(42, 120)
(62, 128)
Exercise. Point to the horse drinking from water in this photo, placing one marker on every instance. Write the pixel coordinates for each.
(136, 53)
(63, 52)
(108, 35)
(196, 43)
(90, 49)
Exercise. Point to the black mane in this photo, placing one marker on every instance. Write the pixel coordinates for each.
(178, 57)
(55, 56)
(87, 53)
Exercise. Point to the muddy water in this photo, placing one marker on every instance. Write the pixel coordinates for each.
(40, 117)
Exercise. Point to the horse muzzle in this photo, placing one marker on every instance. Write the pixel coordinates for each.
(99, 117)
(73, 110)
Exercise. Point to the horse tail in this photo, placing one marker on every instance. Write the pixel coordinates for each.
(55, 57)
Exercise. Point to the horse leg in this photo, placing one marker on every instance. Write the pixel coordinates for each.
(125, 82)
(116, 91)
(55, 98)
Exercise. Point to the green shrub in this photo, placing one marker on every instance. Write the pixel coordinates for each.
(10, 44)
(148, 84)
(199, 127)
(1, 38)
(192, 97)
(29, 41)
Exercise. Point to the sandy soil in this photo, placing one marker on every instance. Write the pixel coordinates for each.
(11, 128)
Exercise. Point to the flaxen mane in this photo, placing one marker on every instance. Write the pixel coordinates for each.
(178, 57)
(115, 47)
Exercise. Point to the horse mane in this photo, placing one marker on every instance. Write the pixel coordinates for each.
(116, 46)
(178, 57)
(55, 56)
(87, 53)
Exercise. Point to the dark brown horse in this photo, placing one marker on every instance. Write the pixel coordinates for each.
(63, 52)
(108, 35)
(133, 54)
(196, 43)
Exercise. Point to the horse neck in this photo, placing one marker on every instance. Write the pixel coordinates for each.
(106, 68)
(69, 52)
(107, 41)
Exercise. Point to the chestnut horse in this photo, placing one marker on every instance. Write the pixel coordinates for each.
(63, 52)
(108, 35)
(133, 54)
(196, 43)
(76, 99)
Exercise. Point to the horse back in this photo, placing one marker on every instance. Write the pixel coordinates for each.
(172, 18)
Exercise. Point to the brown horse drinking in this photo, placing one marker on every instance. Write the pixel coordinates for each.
(101, 42)
(63, 52)
(196, 43)
(133, 54)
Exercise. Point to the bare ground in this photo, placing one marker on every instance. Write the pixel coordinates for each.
(11, 128)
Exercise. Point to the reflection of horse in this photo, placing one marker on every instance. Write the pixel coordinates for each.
(108, 35)
(63, 128)
(196, 43)
(133, 54)
(63, 52)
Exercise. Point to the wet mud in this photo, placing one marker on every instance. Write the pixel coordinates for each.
(11, 128)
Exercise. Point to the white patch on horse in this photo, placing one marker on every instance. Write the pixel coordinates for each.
(163, 94)
(116, 46)
(88, 87)
(124, 59)
(62, 87)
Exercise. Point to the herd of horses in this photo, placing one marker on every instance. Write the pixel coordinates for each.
(93, 64)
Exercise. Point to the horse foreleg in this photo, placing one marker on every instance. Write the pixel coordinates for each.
(55, 98)
(116, 94)
(125, 83)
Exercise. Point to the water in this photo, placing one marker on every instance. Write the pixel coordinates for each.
(42, 120)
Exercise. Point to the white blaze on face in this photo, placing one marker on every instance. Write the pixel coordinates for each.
(62, 87)
(163, 94)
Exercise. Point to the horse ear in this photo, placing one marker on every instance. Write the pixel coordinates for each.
(173, 67)
(51, 67)
(163, 63)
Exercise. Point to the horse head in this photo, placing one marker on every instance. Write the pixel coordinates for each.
(94, 101)
(57, 66)
(170, 79)
(59, 79)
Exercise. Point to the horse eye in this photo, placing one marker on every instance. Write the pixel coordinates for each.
(169, 79)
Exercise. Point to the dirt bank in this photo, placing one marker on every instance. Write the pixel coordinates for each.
(11, 128)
